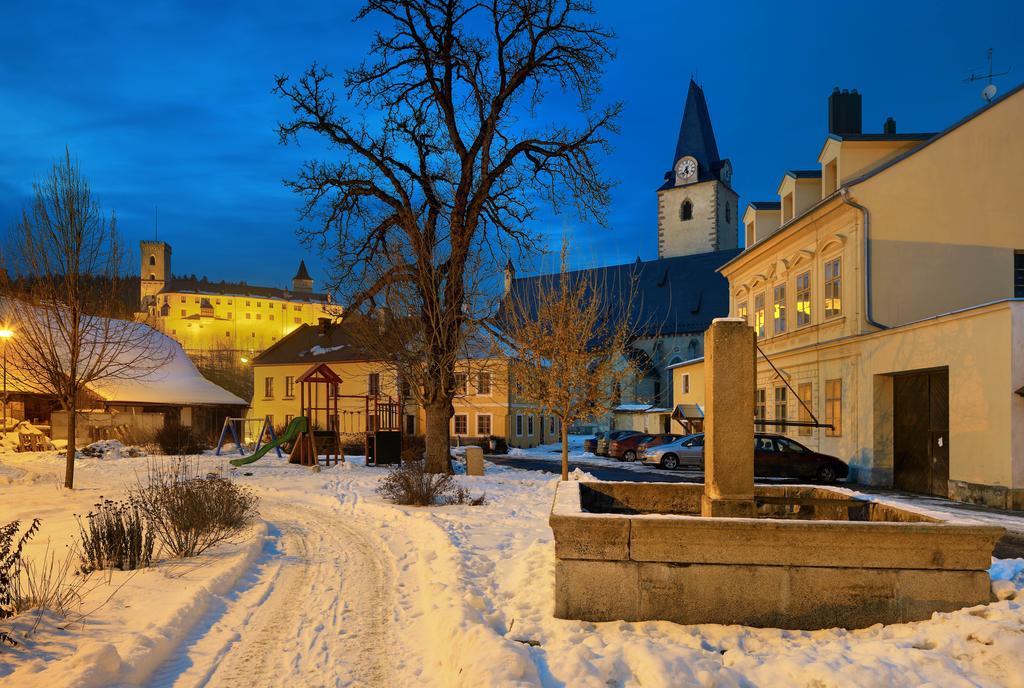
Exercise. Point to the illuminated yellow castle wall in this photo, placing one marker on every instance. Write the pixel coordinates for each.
(219, 316)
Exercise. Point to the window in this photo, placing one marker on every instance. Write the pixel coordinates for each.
(268, 388)
(197, 299)
(373, 385)
(298, 320)
(410, 424)
(461, 423)
(183, 312)
(288, 418)
(183, 299)
(741, 310)
(270, 316)
(229, 302)
(728, 213)
(248, 303)
(152, 276)
(691, 349)
(750, 234)
(834, 407)
(259, 304)
(406, 389)
(1018, 275)
(248, 316)
(551, 425)
(686, 210)
(760, 403)
(218, 302)
(759, 315)
(764, 444)
(227, 334)
(781, 406)
(686, 383)
(259, 316)
(804, 391)
(519, 425)
(296, 308)
(529, 425)
(461, 383)
(803, 299)
(788, 445)
(779, 309)
(483, 383)
(289, 386)
(152, 261)
(483, 424)
(833, 289)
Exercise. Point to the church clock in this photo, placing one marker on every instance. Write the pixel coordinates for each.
(686, 170)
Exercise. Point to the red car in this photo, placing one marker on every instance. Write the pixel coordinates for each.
(628, 448)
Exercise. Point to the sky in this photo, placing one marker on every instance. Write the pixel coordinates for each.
(168, 105)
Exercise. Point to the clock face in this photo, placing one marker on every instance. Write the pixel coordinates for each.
(686, 168)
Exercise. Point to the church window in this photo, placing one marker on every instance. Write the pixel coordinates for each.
(686, 210)
(152, 261)
(833, 289)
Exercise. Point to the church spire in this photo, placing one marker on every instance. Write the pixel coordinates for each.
(696, 138)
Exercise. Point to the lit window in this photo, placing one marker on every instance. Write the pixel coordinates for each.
(833, 289)
(686, 211)
(461, 424)
(741, 310)
(834, 407)
(760, 403)
(268, 388)
(483, 425)
(483, 383)
(804, 390)
(779, 308)
(759, 315)
(781, 405)
(461, 383)
(803, 299)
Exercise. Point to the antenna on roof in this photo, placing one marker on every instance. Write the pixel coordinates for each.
(989, 92)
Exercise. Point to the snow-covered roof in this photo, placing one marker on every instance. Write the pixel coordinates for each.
(640, 408)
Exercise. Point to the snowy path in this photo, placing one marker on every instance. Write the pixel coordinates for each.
(318, 607)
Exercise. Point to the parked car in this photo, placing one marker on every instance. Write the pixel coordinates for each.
(775, 456)
(602, 444)
(659, 439)
(629, 448)
(590, 444)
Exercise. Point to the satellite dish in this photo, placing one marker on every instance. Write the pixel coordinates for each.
(989, 92)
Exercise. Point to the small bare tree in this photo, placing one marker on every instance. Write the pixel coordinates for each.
(61, 279)
(453, 159)
(570, 333)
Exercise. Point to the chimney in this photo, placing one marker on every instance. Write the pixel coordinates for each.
(323, 325)
(889, 128)
(844, 112)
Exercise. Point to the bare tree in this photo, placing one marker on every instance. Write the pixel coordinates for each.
(570, 334)
(449, 164)
(61, 282)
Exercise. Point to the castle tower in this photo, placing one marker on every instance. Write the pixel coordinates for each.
(302, 281)
(697, 207)
(154, 269)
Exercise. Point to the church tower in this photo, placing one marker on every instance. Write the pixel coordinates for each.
(154, 271)
(697, 207)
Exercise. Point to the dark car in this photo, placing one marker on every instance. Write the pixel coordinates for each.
(658, 440)
(604, 442)
(625, 448)
(590, 444)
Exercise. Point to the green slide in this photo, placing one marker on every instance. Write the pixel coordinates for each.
(297, 425)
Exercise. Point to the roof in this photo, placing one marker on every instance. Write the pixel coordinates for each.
(696, 138)
(765, 205)
(684, 364)
(882, 137)
(677, 295)
(687, 412)
(332, 343)
(204, 286)
(639, 408)
(302, 273)
(804, 174)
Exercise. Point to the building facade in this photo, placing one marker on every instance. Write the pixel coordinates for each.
(885, 287)
(206, 316)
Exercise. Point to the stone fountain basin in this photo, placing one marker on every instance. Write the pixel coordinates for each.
(814, 557)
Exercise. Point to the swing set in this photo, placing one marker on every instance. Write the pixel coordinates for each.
(240, 431)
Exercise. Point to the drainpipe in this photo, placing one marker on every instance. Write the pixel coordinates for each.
(866, 226)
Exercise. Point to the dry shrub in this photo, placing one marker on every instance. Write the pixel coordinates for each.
(10, 569)
(191, 512)
(413, 448)
(176, 439)
(49, 585)
(117, 535)
(410, 484)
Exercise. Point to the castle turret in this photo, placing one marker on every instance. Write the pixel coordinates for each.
(154, 270)
(302, 281)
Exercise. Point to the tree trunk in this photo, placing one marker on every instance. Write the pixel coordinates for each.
(69, 462)
(438, 453)
(565, 450)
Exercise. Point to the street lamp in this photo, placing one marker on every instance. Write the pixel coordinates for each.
(5, 335)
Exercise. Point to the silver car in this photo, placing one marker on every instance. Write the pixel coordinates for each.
(687, 451)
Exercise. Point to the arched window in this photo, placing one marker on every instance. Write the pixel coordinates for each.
(152, 276)
(686, 210)
(152, 260)
(691, 349)
(675, 359)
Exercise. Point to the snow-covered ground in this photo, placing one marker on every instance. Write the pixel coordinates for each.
(337, 587)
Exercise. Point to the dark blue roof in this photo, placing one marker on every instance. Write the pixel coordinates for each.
(765, 205)
(802, 174)
(696, 138)
(675, 295)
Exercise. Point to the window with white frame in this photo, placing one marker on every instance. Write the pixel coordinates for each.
(741, 310)
(781, 405)
(529, 425)
(834, 407)
(268, 388)
(803, 299)
(289, 386)
(833, 288)
(759, 315)
(760, 403)
(483, 383)
(779, 309)
(460, 424)
(519, 425)
(461, 383)
(483, 424)
(686, 383)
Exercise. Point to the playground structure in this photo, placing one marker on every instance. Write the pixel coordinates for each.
(239, 429)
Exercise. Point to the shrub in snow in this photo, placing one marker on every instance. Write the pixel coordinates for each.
(10, 568)
(176, 439)
(413, 448)
(191, 512)
(410, 484)
(116, 535)
(49, 585)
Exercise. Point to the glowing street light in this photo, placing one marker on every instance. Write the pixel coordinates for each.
(5, 336)
(244, 359)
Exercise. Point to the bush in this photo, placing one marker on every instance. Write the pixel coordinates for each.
(116, 536)
(176, 439)
(189, 512)
(10, 569)
(410, 484)
(413, 448)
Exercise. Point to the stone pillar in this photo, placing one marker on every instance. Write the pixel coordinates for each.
(474, 460)
(729, 373)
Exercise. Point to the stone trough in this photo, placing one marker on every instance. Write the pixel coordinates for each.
(730, 552)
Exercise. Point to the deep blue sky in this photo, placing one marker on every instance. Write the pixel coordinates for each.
(168, 104)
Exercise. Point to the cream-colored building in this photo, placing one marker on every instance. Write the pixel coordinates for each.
(484, 407)
(205, 316)
(887, 288)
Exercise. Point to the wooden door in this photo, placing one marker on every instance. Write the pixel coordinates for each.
(921, 432)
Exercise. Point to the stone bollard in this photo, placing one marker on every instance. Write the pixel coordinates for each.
(729, 374)
(474, 460)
